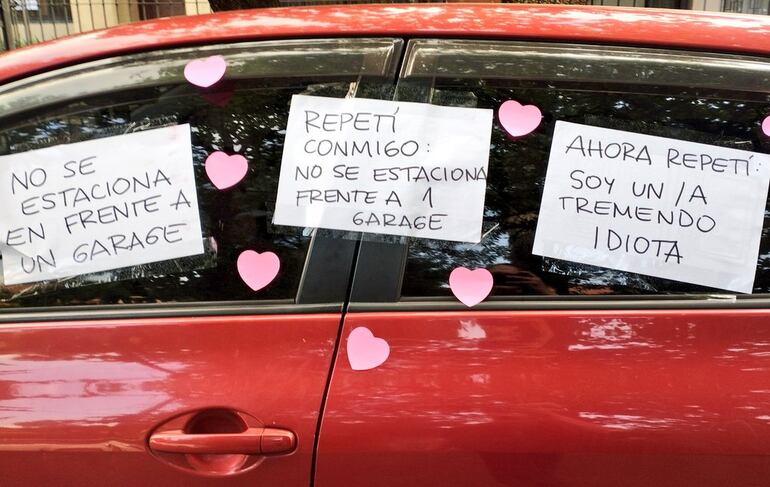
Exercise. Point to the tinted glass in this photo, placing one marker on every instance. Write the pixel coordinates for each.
(245, 114)
(718, 100)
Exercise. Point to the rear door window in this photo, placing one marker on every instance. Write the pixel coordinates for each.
(706, 98)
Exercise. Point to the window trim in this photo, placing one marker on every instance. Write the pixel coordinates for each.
(567, 303)
(165, 67)
(163, 310)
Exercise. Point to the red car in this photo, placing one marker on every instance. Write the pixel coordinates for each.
(177, 373)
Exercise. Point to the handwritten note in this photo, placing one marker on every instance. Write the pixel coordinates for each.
(655, 206)
(97, 205)
(386, 167)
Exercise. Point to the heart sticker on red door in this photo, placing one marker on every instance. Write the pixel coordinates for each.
(366, 351)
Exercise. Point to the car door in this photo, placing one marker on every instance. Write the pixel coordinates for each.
(175, 371)
(568, 374)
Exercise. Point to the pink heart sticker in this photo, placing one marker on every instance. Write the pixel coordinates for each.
(470, 286)
(205, 72)
(365, 351)
(519, 120)
(226, 171)
(258, 270)
(766, 126)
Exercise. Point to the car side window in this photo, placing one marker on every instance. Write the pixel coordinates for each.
(243, 114)
(706, 98)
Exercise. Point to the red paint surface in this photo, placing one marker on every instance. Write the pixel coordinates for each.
(477, 398)
(78, 400)
(636, 26)
(581, 398)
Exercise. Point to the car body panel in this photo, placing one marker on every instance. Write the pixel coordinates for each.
(624, 26)
(79, 399)
(539, 397)
(556, 398)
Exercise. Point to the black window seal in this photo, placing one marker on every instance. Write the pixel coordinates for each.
(165, 310)
(569, 303)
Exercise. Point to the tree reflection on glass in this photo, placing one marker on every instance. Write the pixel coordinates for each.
(517, 172)
(245, 116)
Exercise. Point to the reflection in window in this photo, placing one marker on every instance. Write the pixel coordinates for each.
(517, 169)
(246, 117)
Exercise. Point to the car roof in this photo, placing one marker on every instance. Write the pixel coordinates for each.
(586, 24)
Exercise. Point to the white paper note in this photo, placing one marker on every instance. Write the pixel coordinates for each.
(655, 206)
(386, 167)
(102, 204)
